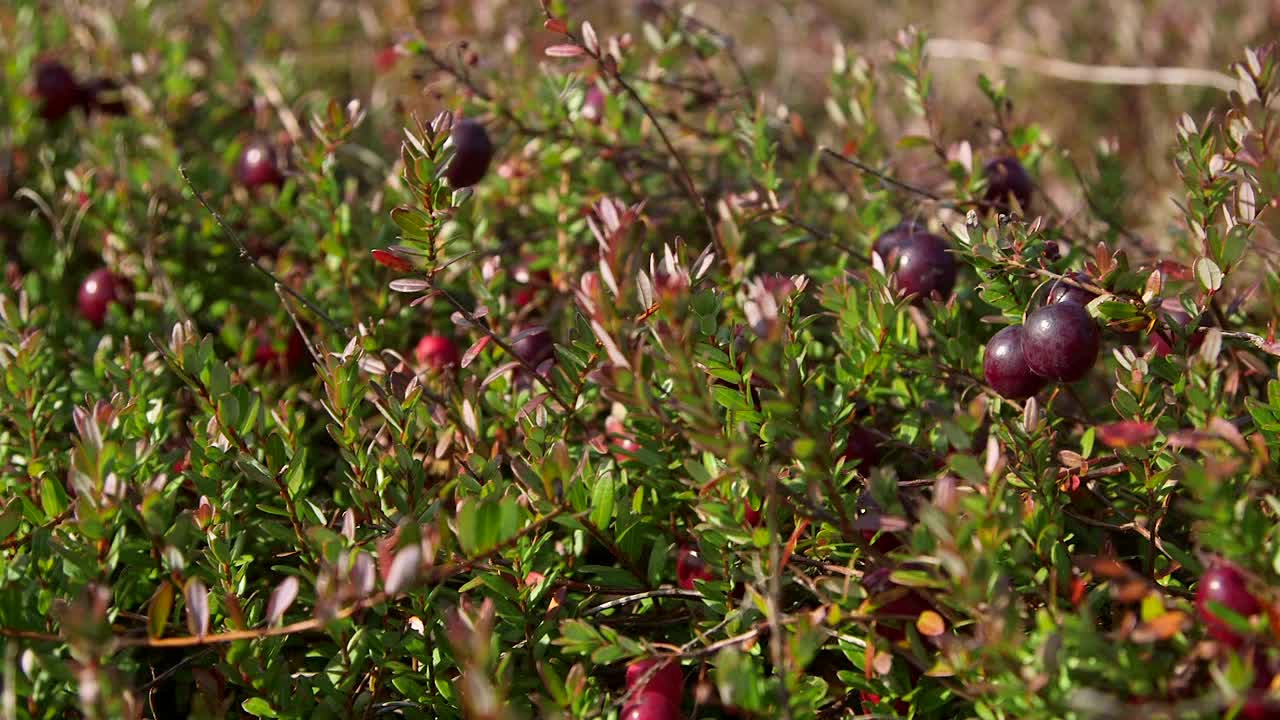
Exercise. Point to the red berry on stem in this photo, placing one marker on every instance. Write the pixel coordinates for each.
(1005, 177)
(267, 355)
(1062, 292)
(924, 265)
(472, 153)
(1061, 342)
(259, 165)
(870, 700)
(1225, 585)
(666, 680)
(1005, 367)
(98, 291)
(436, 352)
(533, 346)
(862, 449)
(651, 706)
(57, 89)
(690, 567)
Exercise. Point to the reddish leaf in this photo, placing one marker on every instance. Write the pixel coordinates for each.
(556, 25)
(563, 51)
(197, 597)
(404, 568)
(392, 260)
(281, 598)
(474, 351)
(1127, 433)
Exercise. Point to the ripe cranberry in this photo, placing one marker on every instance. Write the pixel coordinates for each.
(1224, 584)
(103, 96)
(98, 291)
(436, 352)
(690, 567)
(651, 706)
(862, 449)
(1173, 314)
(1005, 177)
(1061, 342)
(870, 700)
(266, 354)
(886, 542)
(57, 89)
(1062, 292)
(893, 238)
(533, 346)
(752, 515)
(924, 266)
(895, 612)
(667, 680)
(259, 165)
(472, 153)
(1005, 366)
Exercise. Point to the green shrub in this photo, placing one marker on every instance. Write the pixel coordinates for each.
(243, 492)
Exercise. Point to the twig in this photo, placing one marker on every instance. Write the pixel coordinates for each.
(660, 592)
(944, 48)
(244, 253)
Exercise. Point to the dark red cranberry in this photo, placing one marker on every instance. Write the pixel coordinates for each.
(924, 265)
(690, 567)
(472, 153)
(98, 292)
(104, 97)
(870, 700)
(667, 680)
(259, 165)
(533, 346)
(1061, 342)
(896, 606)
(436, 352)
(1172, 313)
(752, 515)
(57, 89)
(286, 359)
(651, 706)
(1005, 366)
(886, 542)
(862, 449)
(1005, 177)
(1062, 292)
(893, 238)
(1225, 585)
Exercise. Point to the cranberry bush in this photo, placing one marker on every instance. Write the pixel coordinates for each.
(618, 390)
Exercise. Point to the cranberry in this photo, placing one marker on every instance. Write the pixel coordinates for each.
(898, 610)
(924, 265)
(650, 706)
(690, 567)
(1005, 177)
(862, 449)
(870, 700)
(1224, 584)
(1061, 342)
(57, 89)
(893, 238)
(97, 293)
(1005, 367)
(436, 352)
(1062, 292)
(533, 346)
(266, 354)
(259, 165)
(667, 680)
(752, 515)
(472, 153)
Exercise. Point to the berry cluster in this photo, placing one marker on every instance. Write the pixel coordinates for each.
(60, 92)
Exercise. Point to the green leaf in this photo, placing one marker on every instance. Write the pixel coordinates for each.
(602, 499)
(259, 707)
(158, 609)
(1208, 274)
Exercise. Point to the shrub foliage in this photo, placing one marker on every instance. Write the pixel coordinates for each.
(688, 413)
